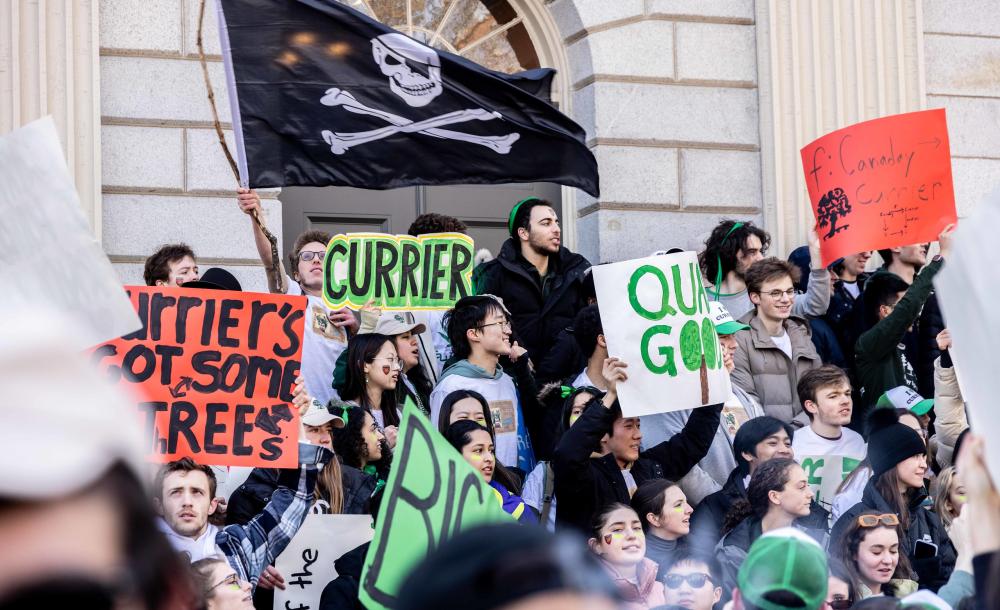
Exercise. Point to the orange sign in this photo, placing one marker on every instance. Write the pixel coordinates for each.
(213, 372)
(881, 184)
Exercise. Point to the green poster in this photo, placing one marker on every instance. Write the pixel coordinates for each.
(398, 272)
(432, 494)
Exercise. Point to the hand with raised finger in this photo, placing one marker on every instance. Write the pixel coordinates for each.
(516, 351)
(945, 239)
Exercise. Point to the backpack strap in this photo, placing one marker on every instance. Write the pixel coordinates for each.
(548, 483)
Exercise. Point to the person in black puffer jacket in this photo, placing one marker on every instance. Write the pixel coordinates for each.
(584, 485)
(540, 282)
(897, 455)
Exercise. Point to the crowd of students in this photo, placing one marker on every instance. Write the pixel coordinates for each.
(824, 480)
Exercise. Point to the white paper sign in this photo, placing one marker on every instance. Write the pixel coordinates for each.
(655, 316)
(969, 291)
(307, 562)
(48, 254)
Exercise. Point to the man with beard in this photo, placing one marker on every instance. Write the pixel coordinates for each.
(539, 280)
(729, 252)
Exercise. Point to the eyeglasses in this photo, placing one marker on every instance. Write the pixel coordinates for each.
(230, 581)
(889, 520)
(504, 325)
(394, 362)
(840, 604)
(697, 580)
(777, 294)
(308, 255)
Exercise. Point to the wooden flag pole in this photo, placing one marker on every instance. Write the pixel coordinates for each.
(275, 271)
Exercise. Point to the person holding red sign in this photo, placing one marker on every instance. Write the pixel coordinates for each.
(891, 308)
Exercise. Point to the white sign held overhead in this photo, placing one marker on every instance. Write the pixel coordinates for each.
(968, 291)
(656, 318)
(48, 254)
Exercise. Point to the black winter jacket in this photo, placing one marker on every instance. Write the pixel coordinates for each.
(584, 485)
(536, 318)
(932, 572)
(710, 516)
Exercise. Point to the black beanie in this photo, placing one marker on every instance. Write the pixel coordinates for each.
(890, 442)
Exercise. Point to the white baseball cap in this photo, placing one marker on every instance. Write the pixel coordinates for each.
(392, 323)
(723, 320)
(317, 415)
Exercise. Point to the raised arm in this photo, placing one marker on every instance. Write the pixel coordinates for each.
(816, 300)
(249, 202)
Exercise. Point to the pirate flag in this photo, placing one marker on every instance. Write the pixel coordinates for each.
(324, 95)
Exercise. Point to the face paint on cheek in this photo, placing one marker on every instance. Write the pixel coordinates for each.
(573, 418)
(386, 369)
(613, 536)
(475, 457)
(679, 510)
(962, 499)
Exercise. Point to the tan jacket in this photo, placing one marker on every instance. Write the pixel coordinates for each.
(949, 408)
(766, 373)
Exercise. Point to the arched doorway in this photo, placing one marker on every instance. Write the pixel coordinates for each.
(504, 35)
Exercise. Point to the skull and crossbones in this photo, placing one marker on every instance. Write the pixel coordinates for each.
(414, 74)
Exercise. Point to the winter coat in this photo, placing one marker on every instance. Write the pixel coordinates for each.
(252, 496)
(767, 374)
(924, 524)
(844, 317)
(949, 407)
(880, 364)
(826, 344)
(710, 516)
(647, 593)
(341, 593)
(584, 485)
(358, 489)
(538, 312)
(734, 546)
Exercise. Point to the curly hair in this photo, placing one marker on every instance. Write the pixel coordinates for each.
(300, 242)
(157, 266)
(771, 475)
(349, 442)
(725, 244)
(436, 223)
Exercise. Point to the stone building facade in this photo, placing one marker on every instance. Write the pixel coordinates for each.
(695, 109)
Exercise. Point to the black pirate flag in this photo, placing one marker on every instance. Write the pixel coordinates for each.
(323, 95)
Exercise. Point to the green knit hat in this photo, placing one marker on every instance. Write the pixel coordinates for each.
(784, 560)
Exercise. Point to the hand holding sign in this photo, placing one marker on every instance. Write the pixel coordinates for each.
(881, 183)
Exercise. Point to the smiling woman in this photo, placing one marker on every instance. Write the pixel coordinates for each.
(617, 538)
(219, 586)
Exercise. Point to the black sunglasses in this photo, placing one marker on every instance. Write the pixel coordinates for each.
(841, 604)
(697, 580)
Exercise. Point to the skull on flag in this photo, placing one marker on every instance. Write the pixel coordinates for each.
(414, 70)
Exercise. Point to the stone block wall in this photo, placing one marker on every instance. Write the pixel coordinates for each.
(164, 176)
(667, 91)
(962, 51)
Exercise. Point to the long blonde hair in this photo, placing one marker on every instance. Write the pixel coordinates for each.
(943, 506)
(330, 486)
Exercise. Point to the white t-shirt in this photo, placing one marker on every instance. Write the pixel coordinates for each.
(784, 343)
(322, 344)
(852, 289)
(582, 380)
(827, 462)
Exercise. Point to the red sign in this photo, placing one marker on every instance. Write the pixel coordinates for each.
(213, 372)
(881, 184)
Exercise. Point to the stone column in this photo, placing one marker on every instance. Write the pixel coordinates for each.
(49, 65)
(824, 65)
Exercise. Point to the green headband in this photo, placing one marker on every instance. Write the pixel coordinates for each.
(566, 390)
(718, 259)
(513, 212)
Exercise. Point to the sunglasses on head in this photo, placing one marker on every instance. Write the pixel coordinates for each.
(889, 520)
(697, 580)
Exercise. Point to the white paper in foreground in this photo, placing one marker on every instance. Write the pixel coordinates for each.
(654, 312)
(48, 254)
(969, 292)
(307, 562)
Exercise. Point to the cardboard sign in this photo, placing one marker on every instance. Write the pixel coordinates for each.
(655, 316)
(307, 563)
(881, 184)
(398, 272)
(48, 254)
(968, 291)
(432, 494)
(213, 372)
